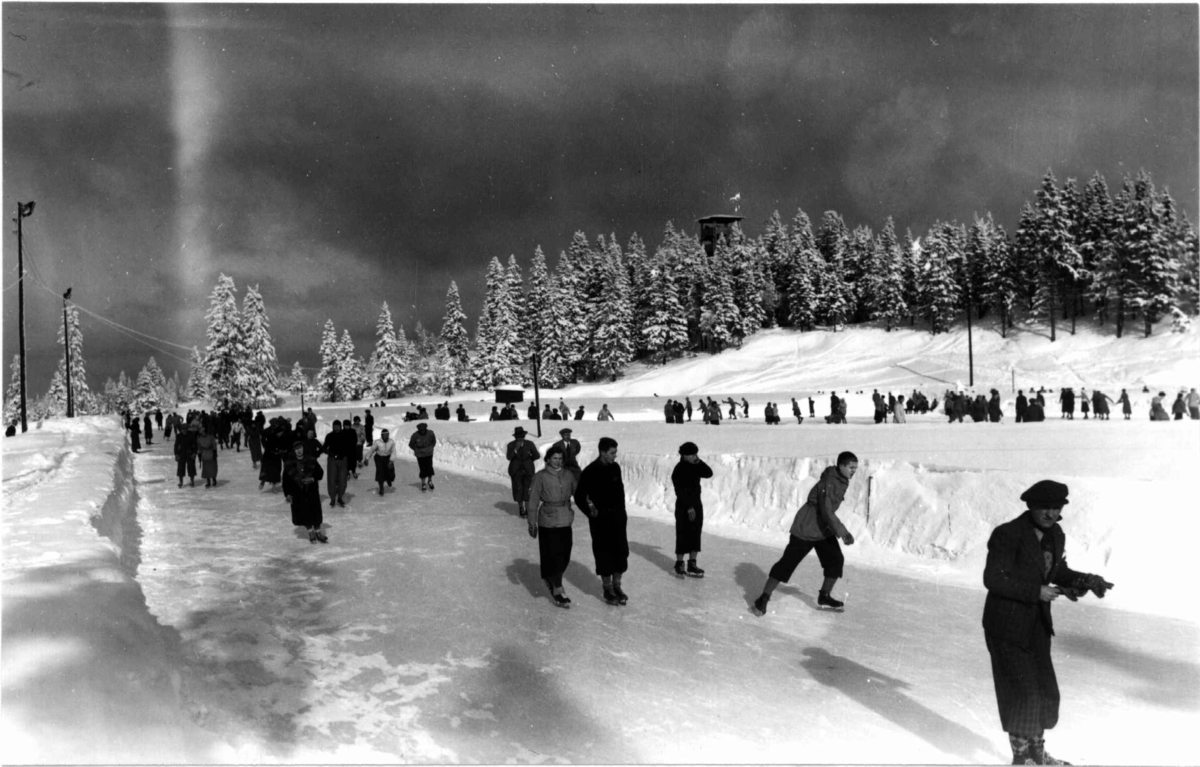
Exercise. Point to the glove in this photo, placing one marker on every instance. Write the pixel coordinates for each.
(1097, 585)
(532, 530)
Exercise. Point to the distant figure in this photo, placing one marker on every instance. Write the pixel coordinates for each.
(1022, 406)
(206, 449)
(898, 410)
(579, 413)
(1126, 407)
(605, 414)
(149, 427)
(571, 449)
(1193, 403)
(812, 408)
(382, 451)
(688, 406)
(135, 435)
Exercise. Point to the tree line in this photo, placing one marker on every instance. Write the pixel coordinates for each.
(1132, 257)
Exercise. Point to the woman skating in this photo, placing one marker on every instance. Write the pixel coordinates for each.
(550, 494)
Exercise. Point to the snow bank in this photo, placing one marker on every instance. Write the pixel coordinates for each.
(88, 675)
(937, 490)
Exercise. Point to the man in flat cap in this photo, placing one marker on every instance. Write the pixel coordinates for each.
(571, 448)
(1027, 570)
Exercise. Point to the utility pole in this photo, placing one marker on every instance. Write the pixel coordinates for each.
(537, 404)
(67, 347)
(23, 209)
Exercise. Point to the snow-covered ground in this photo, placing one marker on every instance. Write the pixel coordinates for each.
(147, 623)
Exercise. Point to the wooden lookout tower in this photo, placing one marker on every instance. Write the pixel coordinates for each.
(712, 227)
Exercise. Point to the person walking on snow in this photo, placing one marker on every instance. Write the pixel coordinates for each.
(422, 443)
(149, 429)
(339, 446)
(206, 449)
(304, 476)
(601, 495)
(689, 511)
(185, 453)
(521, 454)
(605, 414)
(817, 526)
(571, 449)
(382, 450)
(1126, 407)
(1026, 571)
(551, 490)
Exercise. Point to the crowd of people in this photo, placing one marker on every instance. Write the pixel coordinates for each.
(1026, 568)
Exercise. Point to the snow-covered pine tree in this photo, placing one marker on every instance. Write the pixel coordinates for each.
(260, 372)
(225, 354)
(197, 385)
(971, 269)
(1189, 266)
(1097, 227)
(54, 402)
(637, 265)
(746, 283)
(1076, 281)
(328, 383)
(858, 267)
(454, 337)
(999, 287)
(351, 373)
(521, 321)
(390, 376)
(546, 335)
(572, 317)
(297, 380)
(836, 299)
(939, 290)
(1057, 260)
(664, 333)
(778, 264)
(12, 397)
(612, 348)
(888, 290)
(145, 394)
(1158, 269)
(805, 270)
(720, 319)
(81, 394)
(912, 264)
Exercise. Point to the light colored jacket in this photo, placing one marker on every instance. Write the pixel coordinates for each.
(551, 492)
(381, 448)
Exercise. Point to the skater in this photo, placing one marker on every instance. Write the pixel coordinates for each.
(360, 441)
(994, 412)
(817, 527)
(185, 454)
(254, 442)
(1100, 402)
(745, 408)
(135, 434)
(1022, 406)
(422, 443)
(521, 454)
(339, 446)
(1067, 398)
(796, 411)
(1193, 403)
(1126, 407)
(368, 430)
(149, 429)
(1178, 408)
(206, 449)
(1084, 403)
(303, 477)
(689, 511)
(812, 408)
(273, 441)
(551, 520)
(381, 450)
(601, 495)
(899, 410)
(605, 414)
(1026, 570)
(688, 406)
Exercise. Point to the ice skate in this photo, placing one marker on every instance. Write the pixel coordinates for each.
(760, 605)
(561, 600)
(824, 600)
(622, 597)
(680, 570)
(610, 597)
(322, 537)
(694, 570)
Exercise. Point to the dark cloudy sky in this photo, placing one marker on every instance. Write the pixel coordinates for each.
(339, 156)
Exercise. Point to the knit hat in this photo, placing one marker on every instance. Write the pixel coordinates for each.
(689, 448)
(1046, 493)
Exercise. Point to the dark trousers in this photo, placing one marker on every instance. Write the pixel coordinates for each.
(828, 552)
(425, 464)
(188, 464)
(687, 532)
(335, 477)
(610, 546)
(520, 486)
(1026, 686)
(554, 547)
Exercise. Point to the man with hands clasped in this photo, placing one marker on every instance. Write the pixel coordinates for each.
(1027, 570)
